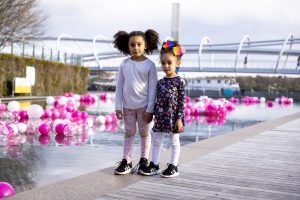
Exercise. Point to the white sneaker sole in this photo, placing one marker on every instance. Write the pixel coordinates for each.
(171, 176)
(123, 173)
(150, 174)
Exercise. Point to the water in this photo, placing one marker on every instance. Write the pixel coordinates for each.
(32, 164)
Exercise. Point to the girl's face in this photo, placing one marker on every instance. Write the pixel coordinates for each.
(137, 46)
(169, 62)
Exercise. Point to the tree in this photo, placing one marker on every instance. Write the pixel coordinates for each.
(20, 19)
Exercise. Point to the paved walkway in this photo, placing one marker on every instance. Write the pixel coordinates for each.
(257, 162)
(266, 166)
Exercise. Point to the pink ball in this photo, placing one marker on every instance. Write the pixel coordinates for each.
(23, 114)
(55, 114)
(187, 99)
(47, 113)
(196, 112)
(76, 114)
(44, 139)
(108, 119)
(70, 108)
(270, 104)
(68, 130)
(6, 190)
(60, 129)
(187, 111)
(114, 117)
(84, 115)
(44, 129)
(10, 130)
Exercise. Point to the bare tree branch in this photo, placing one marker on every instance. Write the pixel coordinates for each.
(20, 19)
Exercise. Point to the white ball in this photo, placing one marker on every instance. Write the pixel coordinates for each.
(262, 100)
(100, 119)
(50, 100)
(108, 95)
(13, 106)
(35, 111)
(90, 122)
(22, 127)
(63, 101)
(71, 100)
(77, 97)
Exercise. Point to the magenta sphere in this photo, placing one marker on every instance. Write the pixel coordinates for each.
(44, 129)
(76, 114)
(84, 115)
(60, 129)
(196, 112)
(270, 104)
(70, 108)
(6, 190)
(23, 114)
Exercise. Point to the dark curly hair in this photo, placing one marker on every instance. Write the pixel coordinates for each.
(150, 36)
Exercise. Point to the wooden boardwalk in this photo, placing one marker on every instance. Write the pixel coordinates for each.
(265, 166)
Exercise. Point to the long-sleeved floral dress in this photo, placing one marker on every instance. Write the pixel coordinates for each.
(169, 104)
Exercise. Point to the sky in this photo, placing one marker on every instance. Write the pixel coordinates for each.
(223, 21)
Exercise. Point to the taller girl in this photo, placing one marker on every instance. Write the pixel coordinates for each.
(136, 92)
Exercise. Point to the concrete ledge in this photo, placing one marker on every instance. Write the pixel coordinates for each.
(22, 98)
(96, 184)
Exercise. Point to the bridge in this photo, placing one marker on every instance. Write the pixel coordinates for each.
(246, 56)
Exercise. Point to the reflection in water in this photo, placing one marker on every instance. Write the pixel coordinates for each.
(19, 170)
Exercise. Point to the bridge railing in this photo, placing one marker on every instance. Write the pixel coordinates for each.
(40, 51)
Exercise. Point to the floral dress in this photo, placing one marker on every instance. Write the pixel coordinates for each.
(169, 104)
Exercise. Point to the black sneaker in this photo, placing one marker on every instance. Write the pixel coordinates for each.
(123, 168)
(170, 172)
(142, 165)
(151, 170)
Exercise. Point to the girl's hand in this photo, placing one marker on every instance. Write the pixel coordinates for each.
(148, 117)
(179, 126)
(119, 114)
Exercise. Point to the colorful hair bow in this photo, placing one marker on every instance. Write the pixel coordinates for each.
(177, 50)
(168, 44)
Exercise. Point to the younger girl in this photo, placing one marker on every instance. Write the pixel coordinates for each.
(135, 92)
(169, 109)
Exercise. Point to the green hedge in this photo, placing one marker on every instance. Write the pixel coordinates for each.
(52, 78)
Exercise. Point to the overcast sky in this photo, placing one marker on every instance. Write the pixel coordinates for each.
(223, 20)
